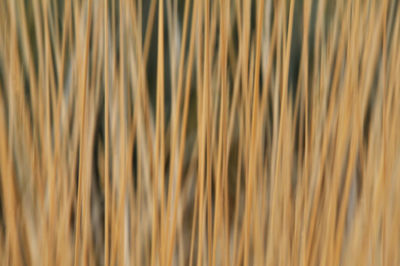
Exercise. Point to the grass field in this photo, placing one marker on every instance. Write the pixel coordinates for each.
(200, 132)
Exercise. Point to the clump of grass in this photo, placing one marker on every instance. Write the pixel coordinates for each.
(198, 132)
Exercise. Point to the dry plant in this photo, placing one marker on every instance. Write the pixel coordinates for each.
(199, 132)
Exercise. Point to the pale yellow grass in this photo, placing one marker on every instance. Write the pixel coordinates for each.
(184, 132)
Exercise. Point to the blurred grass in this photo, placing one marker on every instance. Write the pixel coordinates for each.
(177, 132)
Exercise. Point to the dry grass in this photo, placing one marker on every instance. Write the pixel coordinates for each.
(199, 132)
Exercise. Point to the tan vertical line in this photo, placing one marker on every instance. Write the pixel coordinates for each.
(157, 252)
(82, 89)
(121, 234)
(106, 145)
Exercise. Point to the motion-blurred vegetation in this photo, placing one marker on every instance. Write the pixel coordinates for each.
(199, 132)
